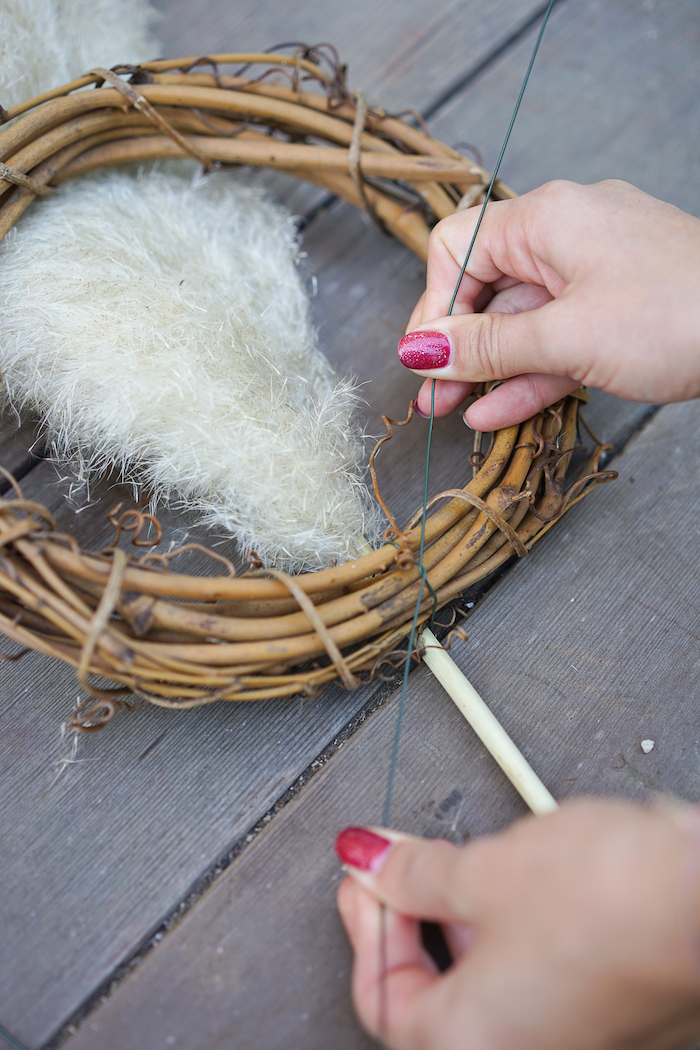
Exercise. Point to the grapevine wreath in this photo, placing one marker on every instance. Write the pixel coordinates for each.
(180, 640)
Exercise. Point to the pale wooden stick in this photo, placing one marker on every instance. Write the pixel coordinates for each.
(486, 726)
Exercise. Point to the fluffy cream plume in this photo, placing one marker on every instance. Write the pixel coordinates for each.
(46, 43)
(160, 326)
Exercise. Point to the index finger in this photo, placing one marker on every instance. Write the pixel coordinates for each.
(527, 239)
(447, 248)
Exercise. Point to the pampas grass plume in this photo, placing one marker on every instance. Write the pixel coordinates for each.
(45, 43)
(160, 326)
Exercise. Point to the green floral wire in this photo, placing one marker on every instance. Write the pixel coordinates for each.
(411, 638)
(11, 1039)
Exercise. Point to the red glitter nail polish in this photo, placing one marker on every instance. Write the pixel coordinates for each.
(424, 350)
(361, 848)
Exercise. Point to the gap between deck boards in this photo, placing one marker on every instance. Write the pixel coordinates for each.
(457, 86)
(237, 848)
(205, 880)
(467, 79)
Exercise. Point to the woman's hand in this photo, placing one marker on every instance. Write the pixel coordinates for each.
(566, 285)
(572, 931)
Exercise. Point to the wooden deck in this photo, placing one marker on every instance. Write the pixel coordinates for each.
(174, 885)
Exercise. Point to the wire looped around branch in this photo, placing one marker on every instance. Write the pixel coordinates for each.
(493, 516)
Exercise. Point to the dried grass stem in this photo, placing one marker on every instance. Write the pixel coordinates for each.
(178, 640)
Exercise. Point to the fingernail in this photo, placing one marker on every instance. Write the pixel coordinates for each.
(464, 420)
(419, 411)
(424, 350)
(361, 848)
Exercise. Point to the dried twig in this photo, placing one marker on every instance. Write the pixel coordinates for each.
(178, 640)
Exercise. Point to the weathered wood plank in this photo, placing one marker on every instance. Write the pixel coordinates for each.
(176, 791)
(613, 94)
(401, 54)
(20, 446)
(92, 861)
(152, 803)
(262, 961)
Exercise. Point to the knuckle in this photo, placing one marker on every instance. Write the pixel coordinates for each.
(443, 230)
(404, 868)
(563, 187)
(616, 184)
(438, 230)
(482, 352)
(562, 191)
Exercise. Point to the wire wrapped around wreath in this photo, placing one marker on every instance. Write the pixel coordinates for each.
(178, 640)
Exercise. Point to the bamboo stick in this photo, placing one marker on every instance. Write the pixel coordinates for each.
(486, 726)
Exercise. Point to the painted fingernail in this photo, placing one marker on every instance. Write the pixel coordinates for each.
(425, 350)
(419, 411)
(361, 848)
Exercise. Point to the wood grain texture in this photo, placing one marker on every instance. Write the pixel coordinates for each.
(95, 853)
(93, 860)
(401, 53)
(20, 445)
(555, 648)
(92, 863)
(613, 94)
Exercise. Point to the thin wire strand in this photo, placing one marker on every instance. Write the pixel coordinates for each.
(386, 813)
(500, 156)
(399, 716)
(404, 688)
(11, 1039)
(411, 637)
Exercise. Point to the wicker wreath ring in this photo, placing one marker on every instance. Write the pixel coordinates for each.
(178, 640)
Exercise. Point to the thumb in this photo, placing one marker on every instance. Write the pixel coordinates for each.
(416, 877)
(480, 347)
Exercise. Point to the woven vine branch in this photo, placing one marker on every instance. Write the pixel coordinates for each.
(178, 640)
